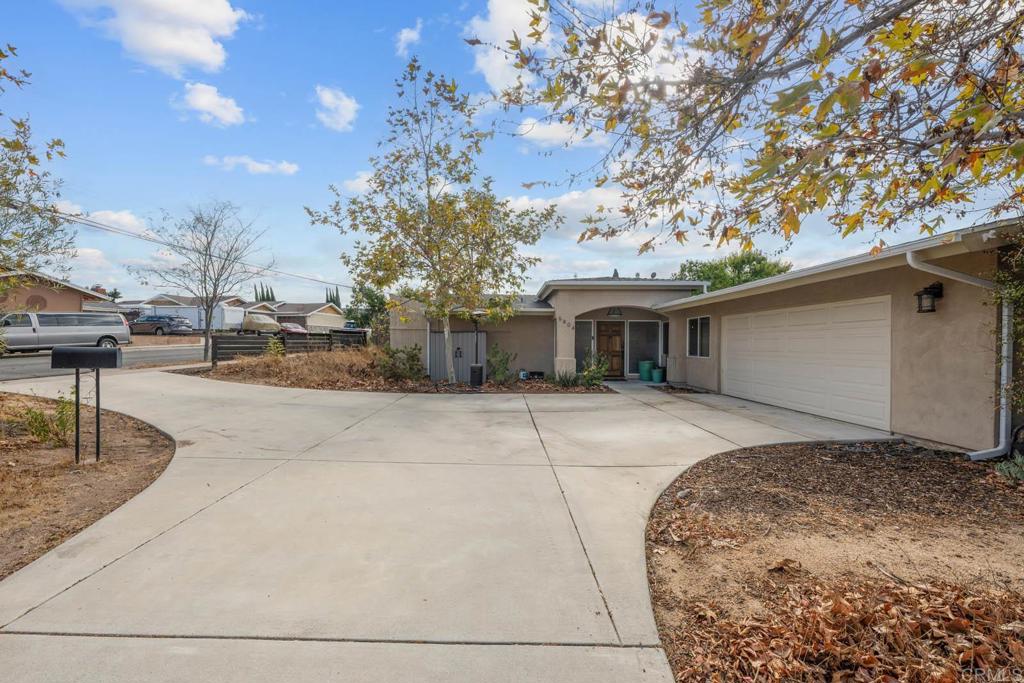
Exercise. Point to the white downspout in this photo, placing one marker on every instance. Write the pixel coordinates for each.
(1006, 352)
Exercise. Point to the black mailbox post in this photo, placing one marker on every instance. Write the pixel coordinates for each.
(85, 358)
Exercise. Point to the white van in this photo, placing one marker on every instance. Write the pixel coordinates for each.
(43, 331)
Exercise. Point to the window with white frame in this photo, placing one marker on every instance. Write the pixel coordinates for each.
(698, 337)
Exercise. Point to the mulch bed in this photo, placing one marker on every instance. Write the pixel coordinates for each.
(839, 562)
(46, 498)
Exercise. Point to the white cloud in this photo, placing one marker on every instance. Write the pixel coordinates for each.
(254, 167)
(406, 38)
(337, 110)
(87, 258)
(359, 184)
(211, 106)
(124, 219)
(557, 134)
(503, 17)
(171, 35)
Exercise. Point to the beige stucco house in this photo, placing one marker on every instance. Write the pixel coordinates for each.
(850, 340)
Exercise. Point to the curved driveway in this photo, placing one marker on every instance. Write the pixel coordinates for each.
(303, 535)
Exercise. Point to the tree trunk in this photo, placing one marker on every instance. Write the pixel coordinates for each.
(449, 361)
(207, 335)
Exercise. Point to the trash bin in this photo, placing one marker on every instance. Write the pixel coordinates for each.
(645, 370)
(476, 375)
(658, 375)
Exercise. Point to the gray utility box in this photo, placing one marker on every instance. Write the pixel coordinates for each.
(85, 357)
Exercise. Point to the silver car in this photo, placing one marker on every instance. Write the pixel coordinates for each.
(41, 331)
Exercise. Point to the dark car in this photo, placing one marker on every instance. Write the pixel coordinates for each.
(161, 324)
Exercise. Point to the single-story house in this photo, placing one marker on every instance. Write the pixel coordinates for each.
(227, 315)
(321, 317)
(902, 340)
(38, 292)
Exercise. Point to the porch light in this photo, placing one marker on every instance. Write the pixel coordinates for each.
(614, 312)
(927, 296)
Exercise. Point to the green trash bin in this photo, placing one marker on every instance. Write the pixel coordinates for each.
(645, 370)
(658, 375)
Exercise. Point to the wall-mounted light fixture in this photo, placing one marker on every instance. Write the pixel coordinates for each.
(614, 312)
(926, 297)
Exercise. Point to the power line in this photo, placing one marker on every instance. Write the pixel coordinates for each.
(152, 239)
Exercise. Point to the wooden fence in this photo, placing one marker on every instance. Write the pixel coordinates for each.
(228, 346)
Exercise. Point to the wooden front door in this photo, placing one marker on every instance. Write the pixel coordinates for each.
(611, 345)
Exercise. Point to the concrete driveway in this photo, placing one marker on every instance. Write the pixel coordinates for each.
(302, 535)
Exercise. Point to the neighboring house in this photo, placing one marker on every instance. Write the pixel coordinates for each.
(130, 308)
(39, 292)
(227, 314)
(843, 339)
(320, 317)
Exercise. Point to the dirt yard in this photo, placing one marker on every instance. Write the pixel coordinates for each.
(355, 369)
(46, 498)
(872, 561)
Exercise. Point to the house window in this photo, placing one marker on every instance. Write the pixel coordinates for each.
(698, 342)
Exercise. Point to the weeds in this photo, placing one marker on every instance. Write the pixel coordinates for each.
(566, 379)
(401, 364)
(275, 348)
(499, 366)
(54, 429)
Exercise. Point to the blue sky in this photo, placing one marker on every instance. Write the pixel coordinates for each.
(167, 103)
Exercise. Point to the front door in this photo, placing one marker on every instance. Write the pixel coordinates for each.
(610, 336)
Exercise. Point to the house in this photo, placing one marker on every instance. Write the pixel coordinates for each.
(318, 317)
(34, 291)
(227, 314)
(902, 340)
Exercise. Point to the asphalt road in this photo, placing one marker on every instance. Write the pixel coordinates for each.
(27, 365)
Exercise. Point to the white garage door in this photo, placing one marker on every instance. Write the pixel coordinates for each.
(830, 360)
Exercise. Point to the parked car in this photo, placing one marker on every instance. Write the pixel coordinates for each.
(257, 323)
(351, 325)
(43, 331)
(161, 324)
(293, 328)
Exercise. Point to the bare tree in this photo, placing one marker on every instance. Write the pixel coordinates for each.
(210, 253)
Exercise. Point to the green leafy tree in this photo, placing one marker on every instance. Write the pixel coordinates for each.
(262, 292)
(115, 294)
(871, 113)
(32, 235)
(734, 269)
(431, 230)
(368, 308)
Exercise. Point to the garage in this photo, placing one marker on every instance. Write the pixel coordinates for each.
(831, 359)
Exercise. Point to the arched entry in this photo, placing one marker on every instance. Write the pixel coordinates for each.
(624, 335)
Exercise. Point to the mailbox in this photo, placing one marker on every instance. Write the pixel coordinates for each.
(81, 358)
(85, 357)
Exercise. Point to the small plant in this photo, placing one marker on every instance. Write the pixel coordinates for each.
(566, 379)
(55, 429)
(401, 364)
(595, 367)
(275, 347)
(499, 366)
(1013, 467)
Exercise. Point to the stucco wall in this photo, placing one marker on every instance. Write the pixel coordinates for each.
(530, 337)
(51, 300)
(943, 364)
(322, 322)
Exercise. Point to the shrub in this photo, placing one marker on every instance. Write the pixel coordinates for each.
(595, 367)
(566, 379)
(499, 366)
(401, 364)
(275, 347)
(1013, 467)
(55, 429)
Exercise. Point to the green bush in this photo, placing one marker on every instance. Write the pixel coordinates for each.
(499, 366)
(275, 347)
(566, 379)
(1012, 468)
(401, 364)
(55, 429)
(595, 367)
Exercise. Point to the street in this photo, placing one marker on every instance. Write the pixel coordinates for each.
(24, 366)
